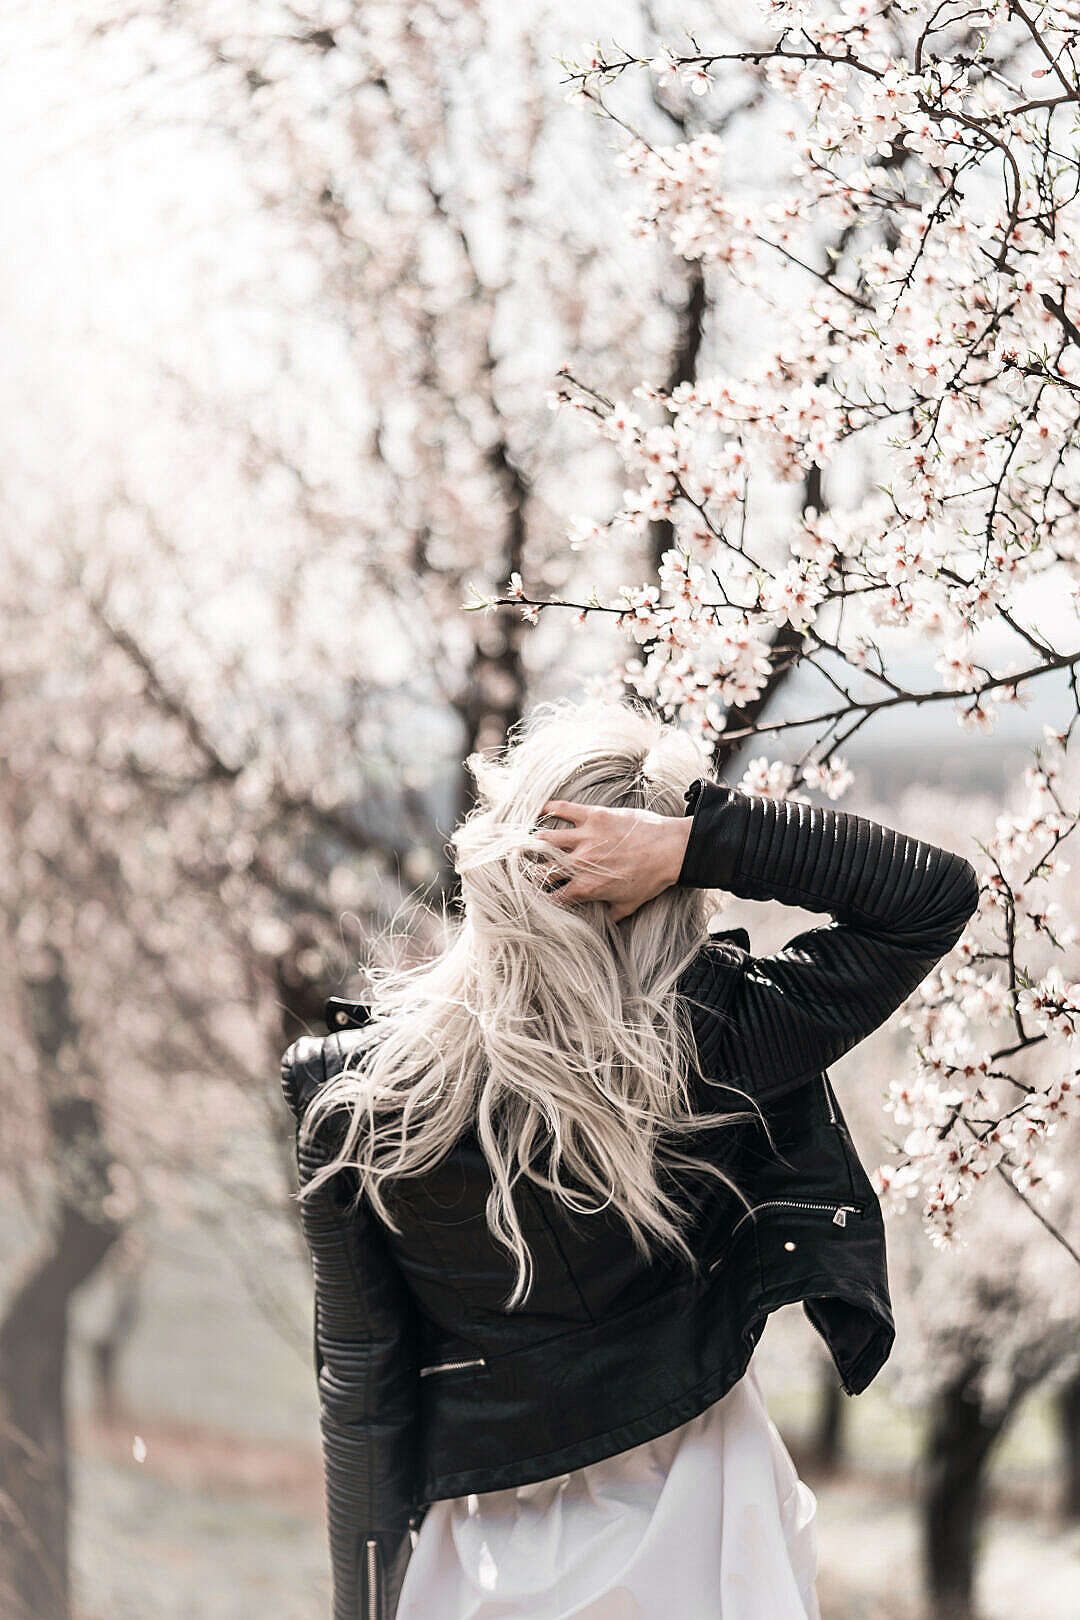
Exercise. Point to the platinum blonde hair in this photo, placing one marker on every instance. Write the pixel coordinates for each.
(552, 1031)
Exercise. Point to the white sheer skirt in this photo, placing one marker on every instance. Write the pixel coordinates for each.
(708, 1522)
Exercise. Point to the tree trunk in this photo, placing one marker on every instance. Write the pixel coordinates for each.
(828, 1438)
(106, 1349)
(493, 696)
(34, 1442)
(1069, 1416)
(958, 1446)
(683, 369)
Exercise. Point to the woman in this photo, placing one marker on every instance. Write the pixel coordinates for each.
(555, 1180)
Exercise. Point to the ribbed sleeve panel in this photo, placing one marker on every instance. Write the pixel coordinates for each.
(366, 1341)
(898, 905)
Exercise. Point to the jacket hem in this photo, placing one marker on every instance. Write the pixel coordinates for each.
(595, 1448)
(855, 1373)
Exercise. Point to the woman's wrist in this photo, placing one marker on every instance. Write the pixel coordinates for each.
(675, 833)
(718, 828)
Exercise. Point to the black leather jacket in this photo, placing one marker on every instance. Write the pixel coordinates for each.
(429, 1389)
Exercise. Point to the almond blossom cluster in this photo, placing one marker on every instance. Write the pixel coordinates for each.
(995, 1069)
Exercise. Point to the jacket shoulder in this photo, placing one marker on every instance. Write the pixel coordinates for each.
(709, 977)
(313, 1060)
(707, 985)
(303, 1070)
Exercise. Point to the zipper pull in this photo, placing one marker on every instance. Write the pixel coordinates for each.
(840, 1218)
(373, 1597)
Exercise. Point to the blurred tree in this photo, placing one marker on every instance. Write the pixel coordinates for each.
(1069, 1419)
(981, 1323)
(827, 1440)
(34, 1477)
(239, 686)
(106, 1347)
(446, 217)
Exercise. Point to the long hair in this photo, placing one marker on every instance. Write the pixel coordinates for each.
(553, 1032)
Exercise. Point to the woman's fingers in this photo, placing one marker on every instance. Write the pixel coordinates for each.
(564, 878)
(565, 809)
(561, 837)
(556, 871)
(552, 875)
(549, 866)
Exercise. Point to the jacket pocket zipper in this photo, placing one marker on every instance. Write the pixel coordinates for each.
(840, 1213)
(452, 1366)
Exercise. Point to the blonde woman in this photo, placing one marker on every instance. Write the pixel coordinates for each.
(555, 1180)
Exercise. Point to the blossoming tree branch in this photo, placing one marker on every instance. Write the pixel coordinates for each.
(888, 463)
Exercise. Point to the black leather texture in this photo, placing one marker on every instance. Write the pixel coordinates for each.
(898, 905)
(429, 1388)
(366, 1341)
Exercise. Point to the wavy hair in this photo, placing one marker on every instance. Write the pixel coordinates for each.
(553, 1032)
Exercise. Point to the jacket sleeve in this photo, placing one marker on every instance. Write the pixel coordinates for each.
(366, 1360)
(898, 906)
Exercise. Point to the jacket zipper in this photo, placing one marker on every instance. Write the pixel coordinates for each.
(452, 1366)
(828, 1099)
(373, 1605)
(840, 1213)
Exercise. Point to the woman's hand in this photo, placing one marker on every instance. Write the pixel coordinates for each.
(622, 856)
